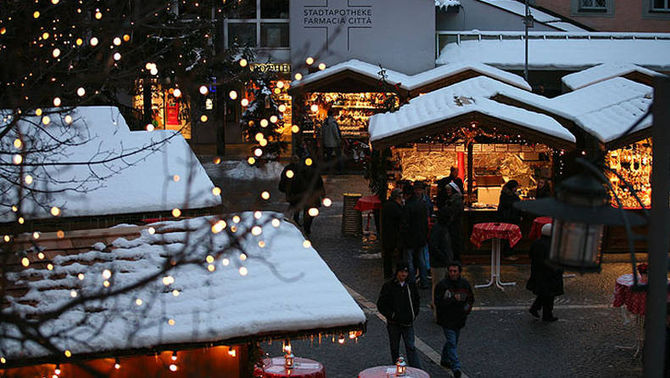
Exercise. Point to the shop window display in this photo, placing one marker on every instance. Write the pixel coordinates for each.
(633, 163)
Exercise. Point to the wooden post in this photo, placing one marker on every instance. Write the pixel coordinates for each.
(470, 175)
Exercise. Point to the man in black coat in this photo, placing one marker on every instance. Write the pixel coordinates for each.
(390, 231)
(414, 232)
(545, 281)
(453, 301)
(454, 207)
(439, 248)
(399, 303)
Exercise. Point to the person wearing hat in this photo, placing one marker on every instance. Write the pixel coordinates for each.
(390, 231)
(546, 281)
(399, 303)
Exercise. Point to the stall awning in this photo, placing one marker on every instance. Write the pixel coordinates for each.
(347, 76)
(608, 71)
(460, 105)
(287, 290)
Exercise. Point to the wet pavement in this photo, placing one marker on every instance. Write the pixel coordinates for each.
(500, 339)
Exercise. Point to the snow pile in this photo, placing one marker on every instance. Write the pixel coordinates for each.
(287, 288)
(241, 170)
(97, 166)
(603, 72)
(563, 54)
(444, 4)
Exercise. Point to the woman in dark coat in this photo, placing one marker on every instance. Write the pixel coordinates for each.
(545, 281)
(507, 213)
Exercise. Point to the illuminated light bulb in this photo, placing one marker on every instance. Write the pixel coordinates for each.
(225, 262)
(261, 244)
(3, 30)
(258, 152)
(218, 227)
(56, 53)
(50, 266)
(217, 160)
(314, 108)
(106, 274)
(243, 62)
(6, 238)
(3, 360)
(150, 127)
(28, 179)
(117, 365)
(243, 271)
(174, 356)
(290, 173)
(244, 102)
(282, 108)
(256, 230)
(18, 143)
(81, 92)
(94, 41)
(176, 178)
(322, 66)
(175, 292)
(232, 95)
(67, 353)
(173, 367)
(36, 235)
(57, 101)
(55, 211)
(233, 229)
(309, 61)
(274, 119)
(79, 41)
(126, 37)
(25, 262)
(40, 256)
(211, 267)
(308, 162)
(276, 222)
(116, 41)
(176, 213)
(151, 230)
(258, 214)
(298, 76)
(307, 243)
(46, 120)
(265, 195)
(327, 202)
(81, 276)
(54, 2)
(38, 112)
(341, 339)
(21, 220)
(216, 191)
(177, 92)
(203, 90)
(138, 301)
(117, 56)
(295, 129)
(243, 257)
(277, 91)
(251, 160)
(154, 71)
(264, 122)
(171, 322)
(57, 370)
(203, 118)
(313, 211)
(263, 142)
(73, 293)
(259, 137)
(36, 14)
(280, 84)
(68, 119)
(167, 280)
(45, 35)
(232, 353)
(209, 259)
(236, 219)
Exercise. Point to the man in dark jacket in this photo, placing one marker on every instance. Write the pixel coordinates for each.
(454, 207)
(439, 247)
(399, 303)
(414, 232)
(390, 231)
(453, 300)
(545, 281)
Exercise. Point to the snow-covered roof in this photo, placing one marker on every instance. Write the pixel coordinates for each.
(519, 8)
(415, 81)
(444, 4)
(143, 180)
(288, 289)
(564, 54)
(603, 72)
(468, 96)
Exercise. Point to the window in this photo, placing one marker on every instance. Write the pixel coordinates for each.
(597, 5)
(592, 8)
(258, 23)
(660, 5)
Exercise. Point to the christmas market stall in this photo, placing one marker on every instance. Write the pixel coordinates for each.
(191, 297)
(356, 90)
(490, 143)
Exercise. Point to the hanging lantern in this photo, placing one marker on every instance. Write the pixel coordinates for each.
(400, 367)
(580, 212)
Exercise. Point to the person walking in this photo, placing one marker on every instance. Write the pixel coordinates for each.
(455, 209)
(453, 301)
(391, 214)
(399, 303)
(291, 183)
(507, 213)
(439, 246)
(414, 232)
(545, 281)
(332, 139)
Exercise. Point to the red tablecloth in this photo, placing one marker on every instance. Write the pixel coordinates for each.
(304, 367)
(536, 228)
(389, 371)
(368, 203)
(485, 231)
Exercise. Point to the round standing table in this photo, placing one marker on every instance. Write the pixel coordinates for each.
(389, 371)
(303, 367)
(368, 203)
(495, 231)
(536, 228)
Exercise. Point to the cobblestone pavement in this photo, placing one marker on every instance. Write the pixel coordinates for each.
(500, 339)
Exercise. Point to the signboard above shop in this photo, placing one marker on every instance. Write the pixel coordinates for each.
(283, 68)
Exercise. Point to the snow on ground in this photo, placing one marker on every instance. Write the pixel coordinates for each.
(241, 170)
(603, 72)
(288, 287)
(97, 166)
